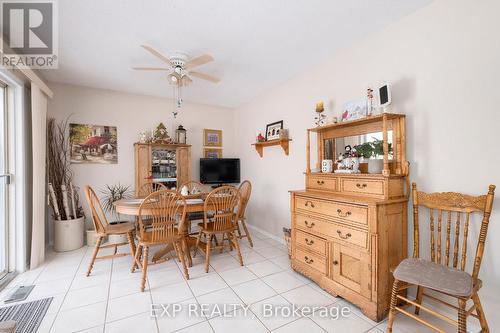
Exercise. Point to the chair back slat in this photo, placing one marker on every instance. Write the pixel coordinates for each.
(221, 203)
(245, 192)
(164, 212)
(98, 215)
(151, 187)
(460, 205)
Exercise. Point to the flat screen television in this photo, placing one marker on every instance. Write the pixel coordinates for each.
(219, 170)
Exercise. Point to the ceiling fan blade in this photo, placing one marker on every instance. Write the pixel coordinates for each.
(157, 54)
(198, 61)
(151, 68)
(205, 76)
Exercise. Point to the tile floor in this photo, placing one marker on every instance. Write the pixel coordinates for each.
(109, 300)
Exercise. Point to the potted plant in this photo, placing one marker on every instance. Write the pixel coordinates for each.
(111, 194)
(372, 151)
(69, 220)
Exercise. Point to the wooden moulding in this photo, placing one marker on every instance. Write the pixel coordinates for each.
(284, 143)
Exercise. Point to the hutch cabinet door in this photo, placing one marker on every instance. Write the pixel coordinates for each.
(142, 165)
(351, 268)
(183, 165)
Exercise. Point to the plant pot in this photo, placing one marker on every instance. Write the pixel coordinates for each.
(68, 234)
(375, 165)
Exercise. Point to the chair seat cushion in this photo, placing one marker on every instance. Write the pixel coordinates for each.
(435, 276)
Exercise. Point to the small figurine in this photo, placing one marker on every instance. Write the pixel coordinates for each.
(260, 137)
(143, 137)
(184, 190)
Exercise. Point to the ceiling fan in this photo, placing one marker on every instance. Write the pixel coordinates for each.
(180, 67)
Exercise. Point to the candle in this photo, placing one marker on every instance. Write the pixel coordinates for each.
(319, 107)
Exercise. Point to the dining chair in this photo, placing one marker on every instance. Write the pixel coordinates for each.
(165, 211)
(219, 218)
(195, 190)
(245, 192)
(150, 187)
(104, 229)
(442, 273)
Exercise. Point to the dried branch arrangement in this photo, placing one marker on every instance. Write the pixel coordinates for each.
(63, 196)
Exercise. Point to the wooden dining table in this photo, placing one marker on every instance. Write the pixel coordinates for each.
(194, 204)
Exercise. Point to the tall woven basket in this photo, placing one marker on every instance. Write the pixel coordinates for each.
(287, 234)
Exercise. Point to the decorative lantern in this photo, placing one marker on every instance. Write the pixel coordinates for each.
(180, 134)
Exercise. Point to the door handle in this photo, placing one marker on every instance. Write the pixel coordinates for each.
(8, 178)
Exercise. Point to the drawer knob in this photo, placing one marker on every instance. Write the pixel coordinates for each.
(358, 185)
(348, 235)
(309, 225)
(308, 261)
(335, 262)
(309, 203)
(341, 214)
(320, 182)
(309, 242)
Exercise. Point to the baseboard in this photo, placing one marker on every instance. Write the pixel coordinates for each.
(267, 234)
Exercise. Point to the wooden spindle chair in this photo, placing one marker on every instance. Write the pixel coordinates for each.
(445, 272)
(104, 229)
(220, 218)
(165, 211)
(150, 187)
(245, 192)
(195, 190)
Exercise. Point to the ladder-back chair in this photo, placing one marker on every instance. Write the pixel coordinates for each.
(220, 218)
(164, 212)
(104, 229)
(446, 271)
(245, 192)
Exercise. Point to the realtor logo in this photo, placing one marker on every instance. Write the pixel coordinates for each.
(29, 34)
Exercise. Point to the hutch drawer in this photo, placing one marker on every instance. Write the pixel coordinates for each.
(312, 260)
(321, 183)
(310, 242)
(350, 235)
(363, 186)
(333, 209)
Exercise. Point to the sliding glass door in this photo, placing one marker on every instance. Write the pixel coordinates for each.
(4, 182)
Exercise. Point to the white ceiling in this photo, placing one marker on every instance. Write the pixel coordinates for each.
(257, 44)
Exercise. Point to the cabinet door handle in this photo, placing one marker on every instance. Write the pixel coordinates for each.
(358, 185)
(320, 182)
(309, 242)
(308, 261)
(335, 262)
(309, 225)
(341, 214)
(309, 203)
(348, 235)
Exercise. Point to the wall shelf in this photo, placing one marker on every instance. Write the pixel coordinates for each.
(259, 146)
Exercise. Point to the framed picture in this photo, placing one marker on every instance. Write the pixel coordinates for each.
(212, 153)
(93, 144)
(273, 130)
(212, 138)
(355, 109)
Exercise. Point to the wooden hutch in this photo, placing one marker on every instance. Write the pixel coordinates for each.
(169, 164)
(348, 230)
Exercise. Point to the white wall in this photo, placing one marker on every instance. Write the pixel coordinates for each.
(444, 65)
(133, 114)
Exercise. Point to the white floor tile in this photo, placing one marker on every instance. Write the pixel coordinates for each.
(203, 327)
(253, 291)
(181, 319)
(126, 287)
(300, 326)
(165, 277)
(49, 288)
(46, 323)
(264, 268)
(269, 313)
(97, 329)
(95, 279)
(252, 257)
(405, 324)
(237, 321)
(171, 293)
(119, 308)
(80, 297)
(224, 263)
(282, 281)
(237, 275)
(80, 318)
(282, 261)
(333, 321)
(270, 252)
(139, 323)
(306, 296)
(206, 284)
(219, 302)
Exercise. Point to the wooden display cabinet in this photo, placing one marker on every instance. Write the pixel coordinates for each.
(169, 164)
(348, 230)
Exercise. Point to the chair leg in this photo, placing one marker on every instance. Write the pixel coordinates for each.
(187, 251)
(137, 258)
(144, 267)
(392, 310)
(207, 253)
(198, 239)
(131, 242)
(94, 254)
(418, 300)
(234, 239)
(480, 313)
(182, 257)
(177, 250)
(247, 233)
(462, 316)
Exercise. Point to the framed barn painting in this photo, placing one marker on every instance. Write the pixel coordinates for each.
(93, 144)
